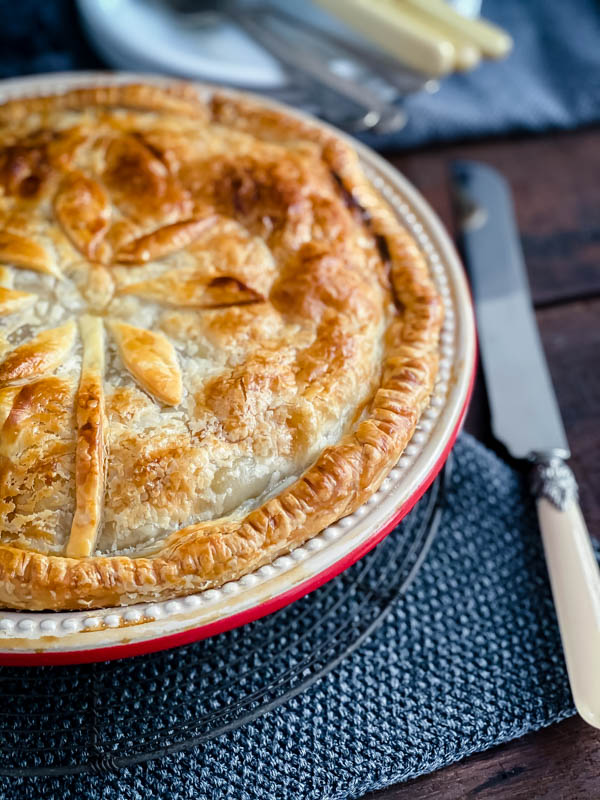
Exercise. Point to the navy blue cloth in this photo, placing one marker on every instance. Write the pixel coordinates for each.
(468, 658)
(41, 36)
(551, 79)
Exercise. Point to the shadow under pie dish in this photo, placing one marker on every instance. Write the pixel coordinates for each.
(216, 340)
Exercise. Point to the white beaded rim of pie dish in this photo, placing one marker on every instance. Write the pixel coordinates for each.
(24, 624)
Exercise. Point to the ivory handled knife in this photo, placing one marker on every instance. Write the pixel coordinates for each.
(526, 418)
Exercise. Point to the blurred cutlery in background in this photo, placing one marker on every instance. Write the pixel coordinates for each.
(428, 35)
(494, 42)
(297, 56)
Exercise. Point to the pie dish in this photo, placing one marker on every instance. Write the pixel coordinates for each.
(217, 339)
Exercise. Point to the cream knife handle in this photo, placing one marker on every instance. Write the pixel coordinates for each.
(575, 581)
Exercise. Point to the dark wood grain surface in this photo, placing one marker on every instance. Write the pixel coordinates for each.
(556, 185)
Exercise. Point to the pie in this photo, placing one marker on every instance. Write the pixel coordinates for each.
(215, 340)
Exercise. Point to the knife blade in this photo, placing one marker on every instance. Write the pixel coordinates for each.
(526, 418)
(524, 411)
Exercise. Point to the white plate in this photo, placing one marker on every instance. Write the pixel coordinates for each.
(146, 36)
(68, 637)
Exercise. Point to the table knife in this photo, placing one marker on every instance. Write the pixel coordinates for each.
(526, 418)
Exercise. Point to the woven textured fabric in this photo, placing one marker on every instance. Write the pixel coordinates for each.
(468, 658)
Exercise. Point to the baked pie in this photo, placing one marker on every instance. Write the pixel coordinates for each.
(215, 340)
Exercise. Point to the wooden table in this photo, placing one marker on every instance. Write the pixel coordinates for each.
(556, 184)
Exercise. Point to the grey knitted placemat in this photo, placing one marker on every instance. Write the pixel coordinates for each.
(468, 658)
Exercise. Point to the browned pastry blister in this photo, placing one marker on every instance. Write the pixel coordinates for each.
(215, 340)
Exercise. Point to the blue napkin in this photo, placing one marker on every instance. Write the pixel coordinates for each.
(468, 658)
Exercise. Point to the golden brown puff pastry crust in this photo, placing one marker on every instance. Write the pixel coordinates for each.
(215, 340)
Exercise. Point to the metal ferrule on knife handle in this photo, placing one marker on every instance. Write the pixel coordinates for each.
(553, 479)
